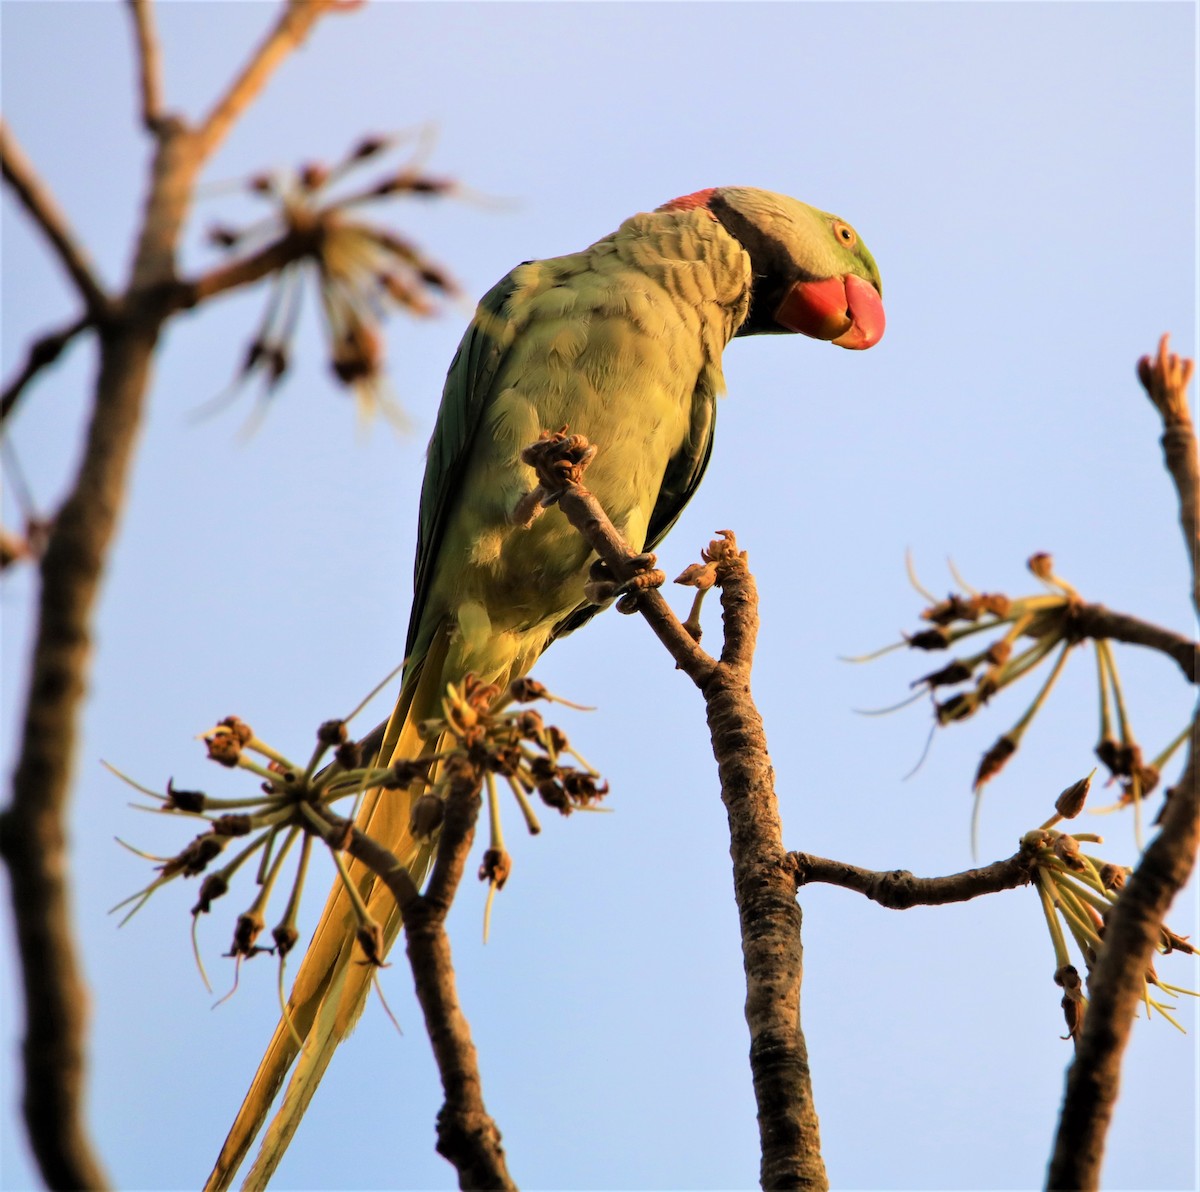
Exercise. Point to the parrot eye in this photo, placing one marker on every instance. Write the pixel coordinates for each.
(845, 233)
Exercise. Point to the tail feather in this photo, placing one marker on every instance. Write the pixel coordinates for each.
(330, 989)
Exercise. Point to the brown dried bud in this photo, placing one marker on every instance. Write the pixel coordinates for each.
(1073, 1012)
(957, 672)
(957, 707)
(1041, 564)
(249, 927)
(224, 749)
(496, 867)
(195, 857)
(214, 886)
(232, 825)
(529, 724)
(1070, 803)
(348, 755)
(995, 603)
(332, 732)
(370, 939)
(999, 652)
(1108, 751)
(525, 689)
(953, 608)
(994, 759)
(313, 175)
(368, 147)
(426, 817)
(286, 937)
(178, 800)
(1067, 978)
(1113, 877)
(701, 576)
(358, 353)
(1066, 849)
(1175, 943)
(404, 773)
(553, 795)
(556, 739)
(582, 788)
(929, 639)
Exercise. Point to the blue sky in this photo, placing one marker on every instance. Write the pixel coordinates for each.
(1025, 176)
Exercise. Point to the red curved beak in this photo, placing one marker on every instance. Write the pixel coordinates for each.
(846, 310)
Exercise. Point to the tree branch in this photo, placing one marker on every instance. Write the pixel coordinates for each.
(293, 245)
(288, 33)
(1115, 985)
(44, 210)
(763, 875)
(1096, 621)
(42, 353)
(467, 1135)
(898, 889)
(149, 57)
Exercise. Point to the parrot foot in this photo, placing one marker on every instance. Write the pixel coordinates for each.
(559, 460)
(603, 588)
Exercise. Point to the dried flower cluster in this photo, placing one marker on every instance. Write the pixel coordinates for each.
(361, 268)
(483, 734)
(1032, 629)
(1077, 891)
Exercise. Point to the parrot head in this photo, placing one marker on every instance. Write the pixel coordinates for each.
(812, 274)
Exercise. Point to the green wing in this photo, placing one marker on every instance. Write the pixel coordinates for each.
(464, 398)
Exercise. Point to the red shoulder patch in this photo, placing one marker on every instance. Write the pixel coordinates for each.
(698, 198)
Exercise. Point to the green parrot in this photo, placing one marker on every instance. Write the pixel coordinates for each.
(621, 342)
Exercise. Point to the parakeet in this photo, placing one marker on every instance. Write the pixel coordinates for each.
(622, 343)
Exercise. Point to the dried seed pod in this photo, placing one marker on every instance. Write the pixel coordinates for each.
(286, 937)
(426, 817)
(178, 800)
(994, 759)
(214, 886)
(1070, 803)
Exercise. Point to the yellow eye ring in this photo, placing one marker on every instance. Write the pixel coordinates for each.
(845, 233)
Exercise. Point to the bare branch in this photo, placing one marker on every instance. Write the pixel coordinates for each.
(467, 1135)
(149, 57)
(1166, 379)
(293, 245)
(1132, 929)
(763, 875)
(898, 889)
(1096, 621)
(44, 210)
(287, 34)
(42, 353)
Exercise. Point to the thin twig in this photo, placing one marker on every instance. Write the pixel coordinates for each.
(42, 353)
(44, 210)
(898, 889)
(149, 56)
(293, 25)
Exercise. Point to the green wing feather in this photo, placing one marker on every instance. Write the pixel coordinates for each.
(468, 387)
